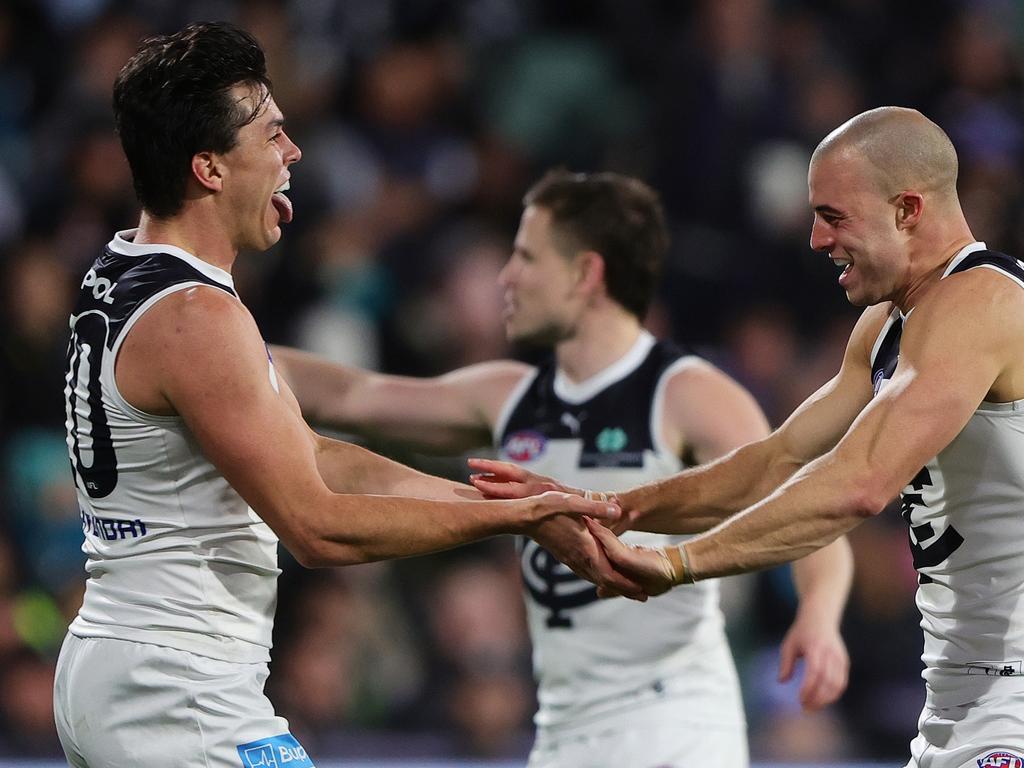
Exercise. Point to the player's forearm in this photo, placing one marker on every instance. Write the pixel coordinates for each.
(701, 498)
(351, 529)
(820, 503)
(348, 468)
(822, 581)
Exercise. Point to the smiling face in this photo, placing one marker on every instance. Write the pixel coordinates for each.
(539, 283)
(255, 169)
(856, 225)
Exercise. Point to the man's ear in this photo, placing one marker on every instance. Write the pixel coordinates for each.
(207, 171)
(909, 207)
(591, 271)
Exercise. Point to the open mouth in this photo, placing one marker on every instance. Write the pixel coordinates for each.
(281, 202)
(844, 265)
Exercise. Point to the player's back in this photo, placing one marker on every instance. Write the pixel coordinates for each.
(175, 556)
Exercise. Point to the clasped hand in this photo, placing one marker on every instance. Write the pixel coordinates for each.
(591, 550)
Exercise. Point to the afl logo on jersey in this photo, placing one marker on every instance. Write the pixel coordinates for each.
(525, 445)
(1001, 759)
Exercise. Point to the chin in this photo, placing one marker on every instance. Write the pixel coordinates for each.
(858, 301)
(267, 239)
(862, 299)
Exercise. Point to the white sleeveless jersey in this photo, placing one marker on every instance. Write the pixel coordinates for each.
(965, 510)
(592, 657)
(175, 556)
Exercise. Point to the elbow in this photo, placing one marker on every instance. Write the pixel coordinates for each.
(313, 551)
(868, 499)
(308, 553)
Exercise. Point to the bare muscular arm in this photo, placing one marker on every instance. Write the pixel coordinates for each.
(200, 352)
(931, 396)
(697, 499)
(447, 414)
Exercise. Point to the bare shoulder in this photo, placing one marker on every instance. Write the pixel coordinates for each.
(200, 329)
(978, 290)
(980, 307)
(976, 316)
(707, 411)
(692, 375)
(867, 328)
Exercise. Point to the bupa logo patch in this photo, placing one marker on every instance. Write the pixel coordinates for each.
(525, 445)
(1001, 759)
(275, 752)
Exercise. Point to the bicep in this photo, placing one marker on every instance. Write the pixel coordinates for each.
(216, 375)
(943, 375)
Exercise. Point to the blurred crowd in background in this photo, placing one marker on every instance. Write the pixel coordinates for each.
(422, 123)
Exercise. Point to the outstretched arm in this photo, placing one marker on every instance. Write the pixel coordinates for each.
(212, 370)
(449, 413)
(698, 499)
(695, 500)
(930, 398)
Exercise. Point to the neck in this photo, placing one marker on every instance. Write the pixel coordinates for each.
(929, 261)
(602, 337)
(191, 231)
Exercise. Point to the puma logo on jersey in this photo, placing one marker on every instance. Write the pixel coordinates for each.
(573, 423)
(101, 287)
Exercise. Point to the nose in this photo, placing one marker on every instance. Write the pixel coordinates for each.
(505, 276)
(293, 154)
(822, 239)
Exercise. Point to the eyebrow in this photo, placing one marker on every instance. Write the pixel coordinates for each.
(827, 209)
(276, 123)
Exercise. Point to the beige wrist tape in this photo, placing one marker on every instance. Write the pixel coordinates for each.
(681, 571)
(595, 495)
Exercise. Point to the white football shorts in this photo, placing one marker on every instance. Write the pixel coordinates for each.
(696, 720)
(122, 704)
(988, 733)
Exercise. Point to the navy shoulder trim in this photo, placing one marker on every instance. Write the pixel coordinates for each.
(996, 259)
(117, 285)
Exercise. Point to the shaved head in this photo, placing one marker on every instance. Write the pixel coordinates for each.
(905, 150)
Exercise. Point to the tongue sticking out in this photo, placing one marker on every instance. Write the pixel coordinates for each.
(283, 206)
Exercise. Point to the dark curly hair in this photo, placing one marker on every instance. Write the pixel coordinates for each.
(617, 216)
(173, 99)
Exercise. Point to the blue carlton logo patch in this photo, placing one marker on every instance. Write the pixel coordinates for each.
(274, 752)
